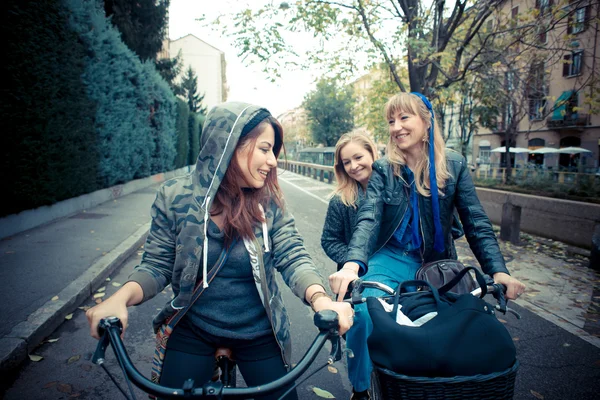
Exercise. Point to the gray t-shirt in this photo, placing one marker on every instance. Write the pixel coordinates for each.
(230, 307)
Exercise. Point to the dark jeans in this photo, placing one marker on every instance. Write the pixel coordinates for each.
(191, 354)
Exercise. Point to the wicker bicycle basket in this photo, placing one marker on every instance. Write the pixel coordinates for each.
(498, 385)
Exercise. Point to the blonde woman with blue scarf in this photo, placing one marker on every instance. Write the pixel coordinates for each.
(406, 219)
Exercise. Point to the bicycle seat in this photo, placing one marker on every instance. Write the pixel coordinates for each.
(224, 352)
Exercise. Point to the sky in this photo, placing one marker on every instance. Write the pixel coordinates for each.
(246, 83)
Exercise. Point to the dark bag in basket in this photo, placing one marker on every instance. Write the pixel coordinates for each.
(438, 273)
(464, 339)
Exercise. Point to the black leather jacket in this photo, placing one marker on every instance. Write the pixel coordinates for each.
(388, 200)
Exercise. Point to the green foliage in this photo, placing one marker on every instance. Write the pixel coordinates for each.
(142, 24)
(169, 69)
(183, 136)
(189, 86)
(439, 44)
(195, 130)
(48, 148)
(370, 111)
(329, 111)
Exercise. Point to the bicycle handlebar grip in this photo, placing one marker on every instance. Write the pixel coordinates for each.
(109, 322)
(326, 320)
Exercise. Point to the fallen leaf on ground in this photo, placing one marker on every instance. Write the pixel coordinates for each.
(116, 284)
(102, 289)
(52, 340)
(54, 298)
(84, 308)
(64, 388)
(333, 370)
(91, 231)
(49, 384)
(536, 394)
(323, 393)
(35, 358)
(75, 395)
(73, 359)
(69, 316)
(101, 294)
(107, 279)
(566, 345)
(502, 320)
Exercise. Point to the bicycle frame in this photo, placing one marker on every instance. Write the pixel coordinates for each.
(326, 321)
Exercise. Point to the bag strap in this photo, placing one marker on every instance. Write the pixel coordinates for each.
(200, 287)
(478, 276)
(416, 282)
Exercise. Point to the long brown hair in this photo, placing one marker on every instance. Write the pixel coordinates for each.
(411, 104)
(346, 187)
(240, 206)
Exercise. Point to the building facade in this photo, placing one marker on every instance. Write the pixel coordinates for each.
(562, 110)
(208, 63)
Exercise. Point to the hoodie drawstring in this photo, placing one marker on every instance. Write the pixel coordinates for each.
(205, 249)
(265, 230)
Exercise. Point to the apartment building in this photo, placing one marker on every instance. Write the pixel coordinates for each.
(559, 112)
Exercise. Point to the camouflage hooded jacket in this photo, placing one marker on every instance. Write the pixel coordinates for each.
(175, 245)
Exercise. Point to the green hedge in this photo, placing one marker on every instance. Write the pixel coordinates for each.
(80, 111)
(49, 150)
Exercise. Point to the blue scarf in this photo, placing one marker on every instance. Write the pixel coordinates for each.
(438, 243)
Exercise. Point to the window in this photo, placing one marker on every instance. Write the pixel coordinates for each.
(543, 6)
(543, 34)
(573, 63)
(537, 90)
(578, 20)
(484, 154)
(537, 109)
(514, 15)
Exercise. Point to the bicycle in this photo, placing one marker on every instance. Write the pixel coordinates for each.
(390, 385)
(223, 387)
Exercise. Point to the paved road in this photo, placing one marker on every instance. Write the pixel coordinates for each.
(555, 363)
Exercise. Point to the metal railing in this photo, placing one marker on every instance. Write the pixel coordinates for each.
(323, 173)
(561, 177)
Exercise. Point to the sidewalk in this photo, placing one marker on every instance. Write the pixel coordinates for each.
(49, 270)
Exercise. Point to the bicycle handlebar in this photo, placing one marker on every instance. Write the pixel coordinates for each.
(358, 286)
(110, 329)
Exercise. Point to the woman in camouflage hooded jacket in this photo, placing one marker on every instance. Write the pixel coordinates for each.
(230, 201)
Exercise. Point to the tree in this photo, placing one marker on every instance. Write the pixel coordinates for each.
(142, 24)
(169, 69)
(329, 111)
(439, 43)
(189, 86)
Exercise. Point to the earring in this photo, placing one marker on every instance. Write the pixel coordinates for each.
(424, 138)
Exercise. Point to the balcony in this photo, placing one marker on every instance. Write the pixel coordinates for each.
(573, 122)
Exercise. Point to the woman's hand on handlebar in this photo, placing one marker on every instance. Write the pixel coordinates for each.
(340, 280)
(344, 311)
(115, 306)
(514, 287)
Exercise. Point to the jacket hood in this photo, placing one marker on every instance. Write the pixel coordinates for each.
(220, 135)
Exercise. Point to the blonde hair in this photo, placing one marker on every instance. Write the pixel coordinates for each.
(346, 187)
(412, 104)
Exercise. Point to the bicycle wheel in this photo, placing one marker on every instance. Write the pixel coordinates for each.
(375, 388)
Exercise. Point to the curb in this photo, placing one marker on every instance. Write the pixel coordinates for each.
(27, 335)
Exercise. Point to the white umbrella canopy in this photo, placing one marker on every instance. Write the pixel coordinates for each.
(544, 150)
(573, 150)
(511, 149)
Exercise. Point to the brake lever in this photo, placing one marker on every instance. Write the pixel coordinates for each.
(100, 352)
(336, 349)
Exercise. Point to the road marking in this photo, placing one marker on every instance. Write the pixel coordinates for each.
(304, 190)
